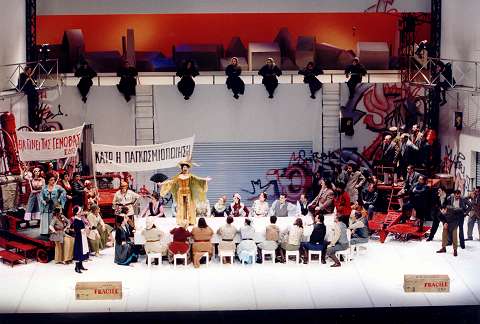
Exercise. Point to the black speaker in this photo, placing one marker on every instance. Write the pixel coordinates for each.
(346, 126)
(458, 122)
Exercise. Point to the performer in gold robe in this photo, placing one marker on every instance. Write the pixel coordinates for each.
(185, 188)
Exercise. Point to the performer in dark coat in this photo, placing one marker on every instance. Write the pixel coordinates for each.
(80, 253)
(27, 86)
(234, 82)
(78, 191)
(125, 252)
(355, 71)
(310, 73)
(420, 200)
(269, 72)
(186, 85)
(86, 74)
(128, 81)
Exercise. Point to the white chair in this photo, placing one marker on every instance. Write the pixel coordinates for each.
(179, 256)
(312, 253)
(347, 254)
(152, 256)
(228, 255)
(206, 256)
(271, 253)
(251, 255)
(294, 254)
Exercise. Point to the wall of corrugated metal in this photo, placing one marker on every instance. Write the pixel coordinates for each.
(234, 165)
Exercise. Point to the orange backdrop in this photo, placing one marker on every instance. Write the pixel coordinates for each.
(158, 32)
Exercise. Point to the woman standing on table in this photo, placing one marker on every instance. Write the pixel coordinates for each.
(269, 72)
(57, 228)
(36, 185)
(234, 81)
(260, 206)
(51, 196)
(80, 246)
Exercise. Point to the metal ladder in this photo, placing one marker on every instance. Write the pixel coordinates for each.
(144, 113)
(330, 117)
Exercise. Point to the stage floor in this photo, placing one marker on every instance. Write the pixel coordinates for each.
(374, 279)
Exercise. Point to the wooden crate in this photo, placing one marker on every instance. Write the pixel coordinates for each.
(100, 290)
(426, 283)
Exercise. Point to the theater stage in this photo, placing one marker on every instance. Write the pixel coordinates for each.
(371, 280)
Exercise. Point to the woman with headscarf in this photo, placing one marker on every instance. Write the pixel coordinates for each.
(186, 85)
(51, 196)
(310, 73)
(237, 208)
(80, 246)
(269, 72)
(36, 185)
(234, 82)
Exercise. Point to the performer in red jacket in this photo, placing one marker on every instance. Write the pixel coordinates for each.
(342, 203)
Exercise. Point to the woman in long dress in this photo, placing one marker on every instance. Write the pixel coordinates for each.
(57, 227)
(80, 246)
(186, 85)
(33, 205)
(125, 252)
(51, 196)
(310, 73)
(185, 188)
(234, 82)
(96, 222)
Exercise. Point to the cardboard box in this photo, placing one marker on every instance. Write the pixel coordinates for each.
(426, 283)
(101, 290)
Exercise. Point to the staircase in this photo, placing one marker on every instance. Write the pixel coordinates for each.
(330, 117)
(144, 113)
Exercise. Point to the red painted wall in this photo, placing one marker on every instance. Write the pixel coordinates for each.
(158, 32)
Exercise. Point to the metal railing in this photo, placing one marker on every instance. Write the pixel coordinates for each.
(44, 75)
(249, 77)
(457, 74)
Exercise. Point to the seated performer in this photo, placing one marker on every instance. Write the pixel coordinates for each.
(355, 71)
(202, 236)
(180, 244)
(186, 85)
(125, 252)
(272, 236)
(227, 233)
(96, 221)
(369, 199)
(86, 74)
(260, 206)
(359, 228)
(317, 240)
(339, 241)
(234, 82)
(292, 238)
(154, 207)
(237, 208)
(91, 194)
(154, 239)
(202, 208)
(323, 203)
(247, 249)
(310, 73)
(302, 206)
(125, 198)
(220, 209)
(128, 80)
(410, 181)
(280, 207)
(269, 72)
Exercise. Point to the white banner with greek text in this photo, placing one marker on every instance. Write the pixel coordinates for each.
(108, 158)
(44, 146)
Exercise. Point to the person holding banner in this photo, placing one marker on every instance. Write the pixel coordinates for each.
(185, 188)
(51, 196)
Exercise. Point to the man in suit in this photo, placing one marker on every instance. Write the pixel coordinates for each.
(407, 154)
(461, 207)
(353, 180)
(450, 224)
(389, 151)
(409, 183)
(474, 216)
